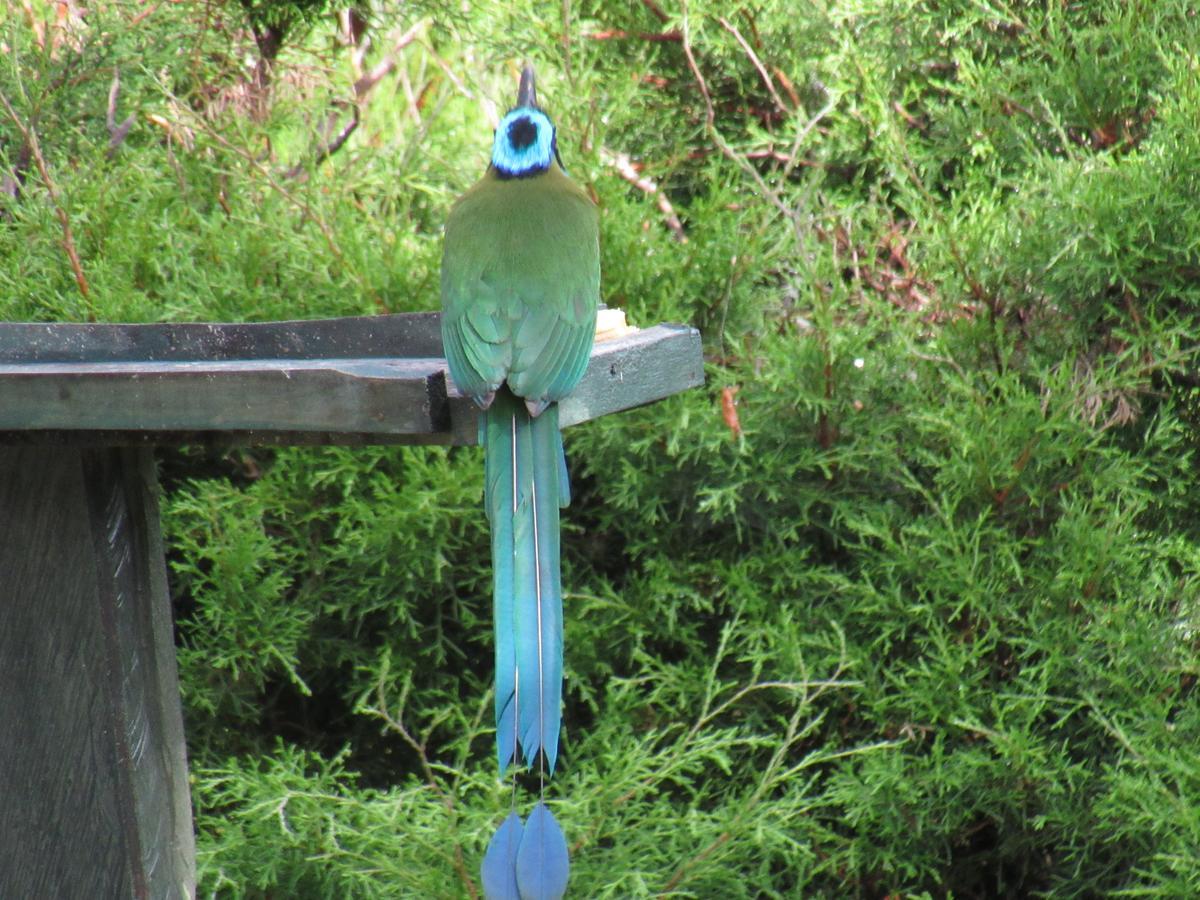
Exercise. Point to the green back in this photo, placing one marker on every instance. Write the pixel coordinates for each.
(520, 285)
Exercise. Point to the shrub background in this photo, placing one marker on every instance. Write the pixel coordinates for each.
(904, 602)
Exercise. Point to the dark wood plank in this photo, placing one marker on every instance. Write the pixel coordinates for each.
(634, 370)
(93, 782)
(407, 335)
(252, 400)
(92, 766)
(392, 396)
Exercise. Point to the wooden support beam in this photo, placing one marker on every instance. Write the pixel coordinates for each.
(377, 379)
(93, 781)
(92, 768)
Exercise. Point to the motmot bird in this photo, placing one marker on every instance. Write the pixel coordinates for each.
(520, 292)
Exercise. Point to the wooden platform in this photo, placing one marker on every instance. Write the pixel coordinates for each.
(94, 799)
(378, 379)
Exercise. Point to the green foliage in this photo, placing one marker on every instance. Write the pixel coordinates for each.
(274, 21)
(903, 603)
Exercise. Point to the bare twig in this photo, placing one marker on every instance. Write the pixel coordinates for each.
(625, 168)
(449, 72)
(788, 87)
(788, 159)
(146, 13)
(340, 138)
(616, 34)
(329, 147)
(788, 212)
(384, 67)
(656, 10)
(684, 868)
(116, 133)
(762, 70)
(29, 135)
(419, 747)
(352, 31)
(410, 96)
(685, 37)
(362, 87)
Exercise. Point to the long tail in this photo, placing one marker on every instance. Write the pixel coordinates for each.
(526, 484)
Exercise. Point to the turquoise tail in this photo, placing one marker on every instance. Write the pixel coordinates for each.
(526, 860)
(526, 484)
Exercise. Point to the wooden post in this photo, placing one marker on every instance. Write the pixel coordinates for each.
(94, 797)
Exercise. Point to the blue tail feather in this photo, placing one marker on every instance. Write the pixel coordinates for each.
(496, 434)
(547, 678)
(499, 870)
(526, 483)
(526, 861)
(542, 865)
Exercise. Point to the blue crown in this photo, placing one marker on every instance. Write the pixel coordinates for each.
(524, 143)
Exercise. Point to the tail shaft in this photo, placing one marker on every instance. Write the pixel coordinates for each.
(524, 489)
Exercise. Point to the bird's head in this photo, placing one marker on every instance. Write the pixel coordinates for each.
(524, 143)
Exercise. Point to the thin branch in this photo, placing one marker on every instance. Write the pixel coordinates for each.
(762, 70)
(788, 159)
(682, 870)
(732, 155)
(340, 138)
(143, 15)
(29, 135)
(617, 34)
(384, 67)
(449, 72)
(116, 133)
(686, 38)
(625, 168)
(363, 86)
(411, 97)
(352, 31)
(431, 779)
(787, 86)
(656, 10)
(330, 147)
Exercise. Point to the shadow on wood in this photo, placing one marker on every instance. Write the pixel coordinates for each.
(93, 781)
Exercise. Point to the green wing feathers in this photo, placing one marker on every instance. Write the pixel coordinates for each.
(520, 286)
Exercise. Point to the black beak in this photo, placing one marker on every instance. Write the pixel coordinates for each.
(527, 92)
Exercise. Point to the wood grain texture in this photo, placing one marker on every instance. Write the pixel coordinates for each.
(92, 766)
(406, 336)
(147, 384)
(634, 370)
(398, 397)
(93, 777)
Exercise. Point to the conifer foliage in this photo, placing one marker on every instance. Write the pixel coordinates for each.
(904, 602)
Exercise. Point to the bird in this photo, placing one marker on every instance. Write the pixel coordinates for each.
(520, 286)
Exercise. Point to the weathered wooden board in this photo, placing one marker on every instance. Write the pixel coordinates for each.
(350, 381)
(407, 335)
(93, 780)
(634, 370)
(401, 397)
